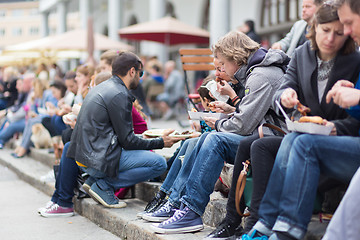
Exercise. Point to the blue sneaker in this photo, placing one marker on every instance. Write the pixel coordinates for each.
(183, 221)
(255, 235)
(105, 197)
(162, 214)
(88, 183)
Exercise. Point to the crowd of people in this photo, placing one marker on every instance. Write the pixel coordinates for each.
(100, 112)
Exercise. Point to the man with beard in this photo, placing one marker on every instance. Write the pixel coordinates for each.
(103, 141)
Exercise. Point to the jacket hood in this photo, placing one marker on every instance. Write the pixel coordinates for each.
(264, 58)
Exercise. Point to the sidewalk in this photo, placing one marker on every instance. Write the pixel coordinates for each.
(20, 220)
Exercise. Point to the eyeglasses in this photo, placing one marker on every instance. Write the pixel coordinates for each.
(141, 73)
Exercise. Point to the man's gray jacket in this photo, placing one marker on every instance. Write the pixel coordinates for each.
(104, 127)
(290, 41)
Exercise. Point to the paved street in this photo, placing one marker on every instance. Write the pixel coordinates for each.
(19, 219)
(19, 203)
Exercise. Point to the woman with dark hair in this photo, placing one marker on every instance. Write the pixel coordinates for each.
(287, 204)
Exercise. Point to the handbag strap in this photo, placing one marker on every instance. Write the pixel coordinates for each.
(271, 126)
(241, 182)
(240, 186)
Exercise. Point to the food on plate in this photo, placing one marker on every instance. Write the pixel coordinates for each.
(184, 133)
(303, 109)
(312, 119)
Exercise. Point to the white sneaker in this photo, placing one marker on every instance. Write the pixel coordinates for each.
(48, 205)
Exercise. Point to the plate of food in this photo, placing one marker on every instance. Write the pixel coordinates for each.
(184, 134)
(306, 124)
(154, 132)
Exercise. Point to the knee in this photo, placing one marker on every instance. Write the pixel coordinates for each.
(160, 165)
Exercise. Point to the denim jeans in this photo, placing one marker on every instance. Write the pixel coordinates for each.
(66, 180)
(185, 149)
(26, 138)
(288, 202)
(14, 127)
(135, 166)
(207, 160)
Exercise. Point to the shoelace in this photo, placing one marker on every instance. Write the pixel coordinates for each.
(165, 208)
(247, 237)
(177, 215)
(53, 207)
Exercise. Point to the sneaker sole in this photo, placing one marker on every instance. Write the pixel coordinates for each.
(98, 199)
(86, 188)
(57, 215)
(150, 218)
(177, 230)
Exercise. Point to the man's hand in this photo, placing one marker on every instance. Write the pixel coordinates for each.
(225, 89)
(210, 121)
(221, 107)
(289, 98)
(276, 45)
(169, 141)
(344, 94)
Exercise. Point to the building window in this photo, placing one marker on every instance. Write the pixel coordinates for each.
(16, 31)
(34, 11)
(2, 13)
(17, 13)
(33, 31)
(2, 32)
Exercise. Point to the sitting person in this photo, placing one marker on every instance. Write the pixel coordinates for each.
(287, 205)
(259, 72)
(111, 166)
(229, 89)
(15, 115)
(42, 95)
(306, 69)
(173, 90)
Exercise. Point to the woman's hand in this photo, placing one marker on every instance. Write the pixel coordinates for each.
(221, 107)
(289, 98)
(328, 124)
(169, 141)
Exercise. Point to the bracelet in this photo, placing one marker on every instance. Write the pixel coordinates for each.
(234, 99)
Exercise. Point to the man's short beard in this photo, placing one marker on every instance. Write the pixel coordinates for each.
(133, 84)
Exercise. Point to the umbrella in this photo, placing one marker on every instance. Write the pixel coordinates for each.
(71, 40)
(167, 30)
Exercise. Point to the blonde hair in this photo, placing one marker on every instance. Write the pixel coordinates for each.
(40, 85)
(236, 47)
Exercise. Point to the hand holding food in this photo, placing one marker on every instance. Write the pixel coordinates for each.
(221, 107)
(168, 140)
(302, 109)
(289, 98)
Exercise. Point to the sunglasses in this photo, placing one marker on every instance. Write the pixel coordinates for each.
(141, 73)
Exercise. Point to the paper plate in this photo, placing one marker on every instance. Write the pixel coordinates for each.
(154, 132)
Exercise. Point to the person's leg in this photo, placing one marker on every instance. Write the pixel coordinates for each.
(179, 184)
(228, 226)
(186, 148)
(269, 210)
(243, 154)
(263, 152)
(216, 149)
(345, 222)
(58, 125)
(66, 180)
(135, 166)
(7, 133)
(338, 157)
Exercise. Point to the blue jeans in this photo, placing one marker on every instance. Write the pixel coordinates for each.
(288, 202)
(26, 138)
(135, 166)
(15, 127)
(204, 167)
(172, 175)
(66, 180)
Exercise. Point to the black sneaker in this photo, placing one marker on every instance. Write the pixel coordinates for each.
(157, 202)
(224, 231)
